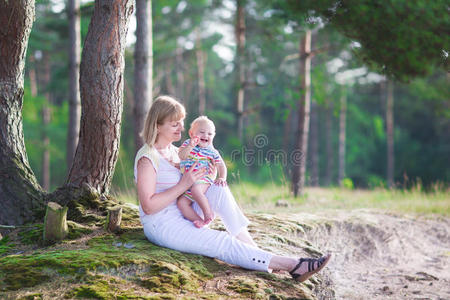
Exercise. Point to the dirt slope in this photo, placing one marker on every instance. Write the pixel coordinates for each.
(382, 256)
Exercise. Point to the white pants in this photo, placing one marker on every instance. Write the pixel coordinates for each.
(168, 228)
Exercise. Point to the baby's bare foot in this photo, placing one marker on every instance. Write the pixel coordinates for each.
(208, 218)
(199, 223)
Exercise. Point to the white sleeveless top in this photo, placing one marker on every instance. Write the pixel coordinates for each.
(166, 174)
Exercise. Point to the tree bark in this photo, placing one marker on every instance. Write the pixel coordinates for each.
(301, 144)
(342, 138)
(21, 197)
(314, 180)
(143, 68)
(390, 133)
(101, 89)
(240, 70)
(200, 74)
(329, 144)
(73, 131)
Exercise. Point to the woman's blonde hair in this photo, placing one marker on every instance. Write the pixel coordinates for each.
(162, 108)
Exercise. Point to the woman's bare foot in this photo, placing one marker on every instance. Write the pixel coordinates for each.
(307, 267)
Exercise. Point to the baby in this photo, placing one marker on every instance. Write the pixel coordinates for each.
(199, 148)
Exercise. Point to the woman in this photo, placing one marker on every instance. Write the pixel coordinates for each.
(160, 183)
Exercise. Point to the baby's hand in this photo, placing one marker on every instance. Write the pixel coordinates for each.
(194, 141)
(221, 182)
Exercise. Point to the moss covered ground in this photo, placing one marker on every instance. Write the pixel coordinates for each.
(94, 264)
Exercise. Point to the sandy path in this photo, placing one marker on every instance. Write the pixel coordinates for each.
(380, 256)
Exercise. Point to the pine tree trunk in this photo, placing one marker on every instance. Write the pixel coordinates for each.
(342, 138)
(21, 197)
(390, 133)
(32, 76)
(301, 144)
(73, 131)
(287, 137)
(189, 88)
(101, 89)
(329, 145)
(240, 70)
(168, 74)
(200, 74)
(180, 73)
(46, 112)
(143, 68)
(314, 181)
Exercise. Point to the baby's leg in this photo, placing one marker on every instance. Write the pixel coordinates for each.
(198, 193)
(185, 206)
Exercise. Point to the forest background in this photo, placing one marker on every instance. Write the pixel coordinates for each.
(348, 108)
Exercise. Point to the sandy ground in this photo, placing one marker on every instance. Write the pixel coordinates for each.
(381, 256)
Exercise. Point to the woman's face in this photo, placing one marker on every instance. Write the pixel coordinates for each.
(170, 131)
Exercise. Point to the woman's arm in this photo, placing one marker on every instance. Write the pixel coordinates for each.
(152, 202)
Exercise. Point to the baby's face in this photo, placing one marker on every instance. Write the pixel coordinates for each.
(205, 132)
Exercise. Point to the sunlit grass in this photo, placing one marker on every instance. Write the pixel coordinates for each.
(263, 198)
(126, 196)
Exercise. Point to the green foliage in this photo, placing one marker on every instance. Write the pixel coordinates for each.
(56, 131)
(31, 235)
(273, 31)
(347, 183)
(5, 245)
(401, 38)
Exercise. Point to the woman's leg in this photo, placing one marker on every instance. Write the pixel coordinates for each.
(177, 233)
(223, 203)
(245, 237)
(300, 269)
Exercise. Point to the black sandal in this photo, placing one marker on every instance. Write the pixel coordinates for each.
(318, 263)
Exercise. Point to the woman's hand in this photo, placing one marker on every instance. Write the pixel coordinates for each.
(192, 175)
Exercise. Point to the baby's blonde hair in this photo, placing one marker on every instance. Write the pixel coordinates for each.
(163, 107)
(202, 119)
